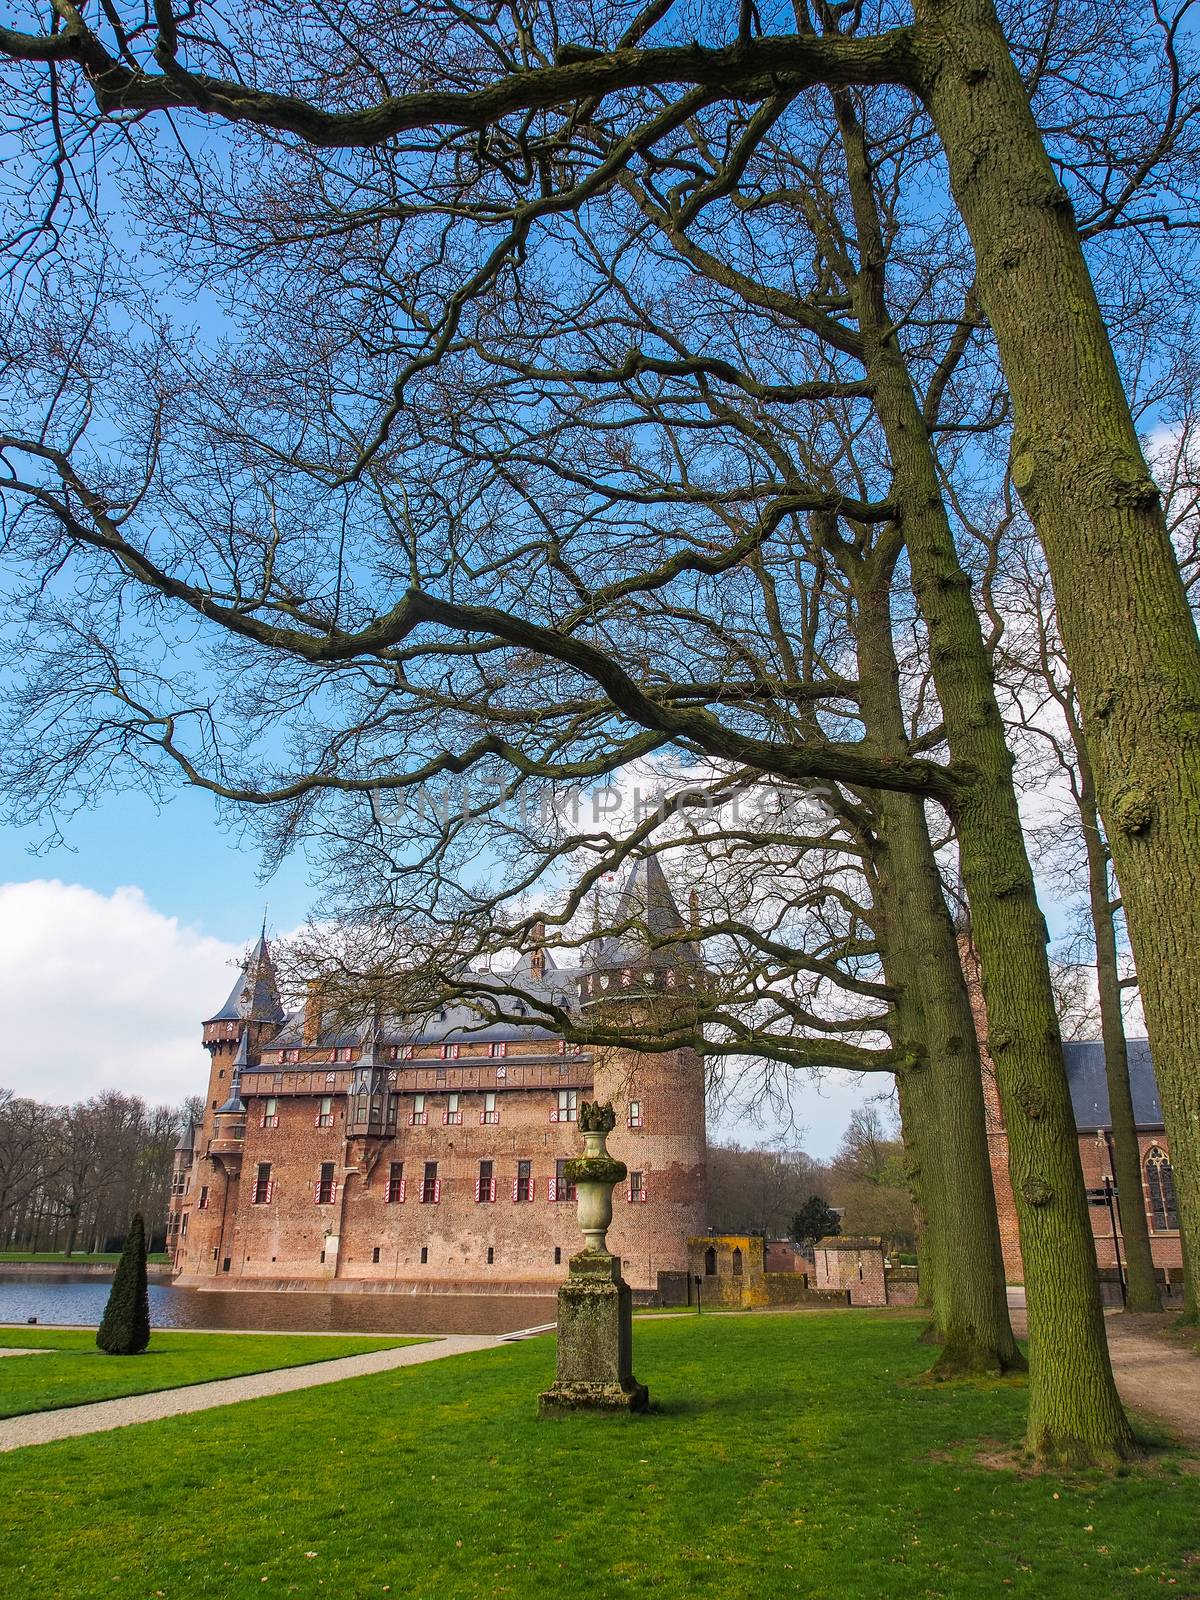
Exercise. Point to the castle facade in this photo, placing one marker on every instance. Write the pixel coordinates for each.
(428, 1152)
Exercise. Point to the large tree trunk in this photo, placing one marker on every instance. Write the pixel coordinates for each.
(1075, 1414)
(942, 1101)
(1078, 465)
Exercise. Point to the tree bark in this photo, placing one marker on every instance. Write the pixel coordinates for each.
(1078, 466)
(941, 1102)
(1075, 1414)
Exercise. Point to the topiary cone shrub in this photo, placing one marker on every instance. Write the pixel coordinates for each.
(125, 1328)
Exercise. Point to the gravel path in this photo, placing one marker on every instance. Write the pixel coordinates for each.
(42, 1427)
(1156, 1374)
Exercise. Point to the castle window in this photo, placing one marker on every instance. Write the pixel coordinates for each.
(635, 1113)
(498, 1048)
(485, 1183)
(710, 1262)
(1160, 1181)
(270, 1116)
(489, 1112)
(737, 1262)
(431, 1185)
(565, 1049)
(290, 1055)
(263, 1187)
(418, 1116)
(424, 1255)
(325, 1114)
(567, 1107)
(452, 1115)
(395, 1188)
(451, 1052)
(637, 1187)
(326, 1187)
(202, 1203)
(561, 1187)
(523, 1186)
(491, 1256)
(375, 1255)
(558, 1255)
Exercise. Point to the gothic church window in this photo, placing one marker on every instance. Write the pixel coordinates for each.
(1160, 1182)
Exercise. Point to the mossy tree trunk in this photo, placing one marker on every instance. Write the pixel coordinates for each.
(1075, 1414)
(1078, 466)
(942, 1101)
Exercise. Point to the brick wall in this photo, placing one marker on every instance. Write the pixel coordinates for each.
(362, 1236)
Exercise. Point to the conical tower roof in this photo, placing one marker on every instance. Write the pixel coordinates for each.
(255, 996)
(646, 917)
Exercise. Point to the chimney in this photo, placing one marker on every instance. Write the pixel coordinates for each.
(314, 1008)
(537, 956)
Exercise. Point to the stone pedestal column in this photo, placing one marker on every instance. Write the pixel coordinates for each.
(595, 1307)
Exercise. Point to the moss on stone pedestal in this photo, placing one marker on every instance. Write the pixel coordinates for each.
(595, 1341)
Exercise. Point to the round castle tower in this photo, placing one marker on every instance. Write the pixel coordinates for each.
(641, 979)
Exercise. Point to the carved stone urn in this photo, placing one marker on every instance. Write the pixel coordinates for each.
(595, 1175)
(594, 1367)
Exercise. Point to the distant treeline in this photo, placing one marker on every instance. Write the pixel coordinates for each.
(71, 1177)
(766, 1191)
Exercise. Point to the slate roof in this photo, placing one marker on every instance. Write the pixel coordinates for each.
(451, 1024)
(647, 913)
(1089, 1084)
(255, 995)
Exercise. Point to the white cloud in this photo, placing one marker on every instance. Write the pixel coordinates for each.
(104, 992)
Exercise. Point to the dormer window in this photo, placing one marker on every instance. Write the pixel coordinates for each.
(498, 1048)
(451, 1052)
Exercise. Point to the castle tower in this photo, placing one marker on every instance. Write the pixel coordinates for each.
(233, 1038)
(647, 974)
(252, 1012)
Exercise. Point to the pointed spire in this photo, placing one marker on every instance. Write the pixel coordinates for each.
(645, 917)
(235, 1106)
(255, 996)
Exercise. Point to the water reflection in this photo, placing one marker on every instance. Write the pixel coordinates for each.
(82, 1300)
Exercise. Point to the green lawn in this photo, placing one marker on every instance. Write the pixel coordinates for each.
(789, 1456)
(79, 1257)
(76, 1372)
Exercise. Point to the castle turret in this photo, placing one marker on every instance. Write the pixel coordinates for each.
(645, 973)
(249, 1016)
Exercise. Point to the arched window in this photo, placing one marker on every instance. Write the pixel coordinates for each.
(710, 1262)
(1160, 1182)
(737, 1262)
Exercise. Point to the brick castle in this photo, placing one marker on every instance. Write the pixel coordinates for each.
(427, 1152)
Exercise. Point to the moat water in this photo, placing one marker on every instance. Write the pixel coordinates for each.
(81, 1301)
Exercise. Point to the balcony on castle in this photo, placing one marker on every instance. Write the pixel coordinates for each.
(228, 1137)
(370, 1116)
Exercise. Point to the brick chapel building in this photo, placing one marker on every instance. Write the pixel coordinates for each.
(1087, 1079)
(427, 1152)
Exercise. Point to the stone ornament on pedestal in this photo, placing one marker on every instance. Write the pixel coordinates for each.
(595, 1308)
